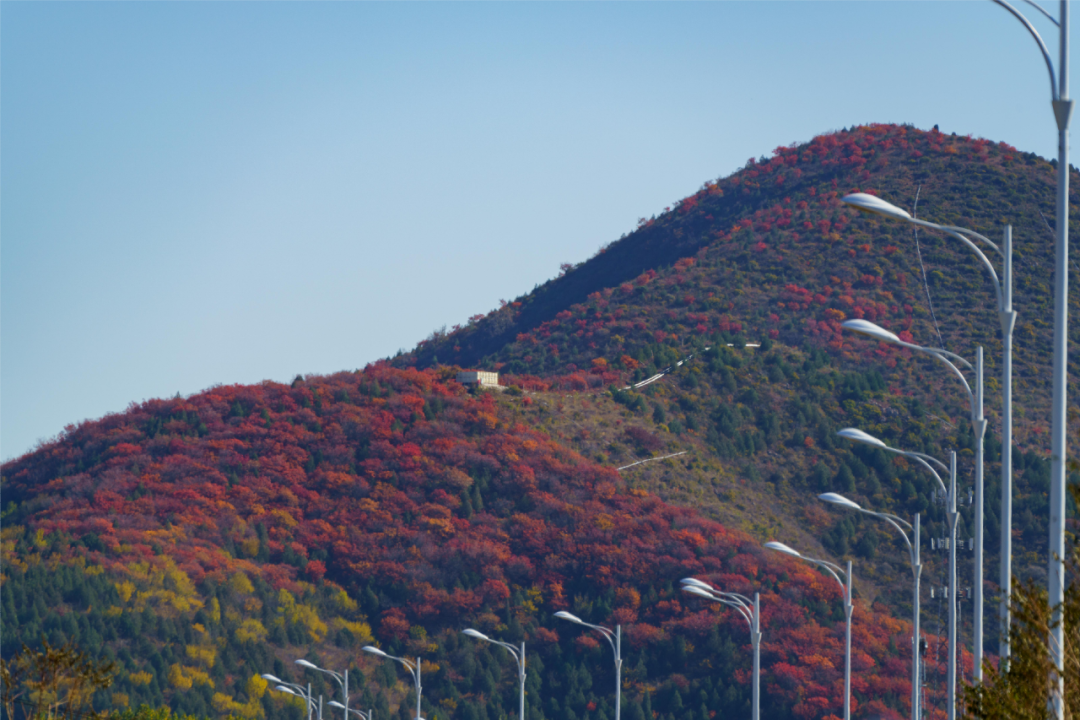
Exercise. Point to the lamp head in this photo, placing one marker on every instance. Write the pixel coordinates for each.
(304, 663)
(875, 206)
(475, 634)
(865, 327)
(839, 500)
(859, 436)
(282, 688)
(695, 590)
(694, 582)
(374, 650)
(563, 615)
(781, 547)
(335, 703)
(271, 678)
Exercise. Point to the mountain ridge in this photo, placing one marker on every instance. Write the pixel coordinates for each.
(203, 540)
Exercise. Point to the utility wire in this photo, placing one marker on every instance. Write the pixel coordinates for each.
(926, 284)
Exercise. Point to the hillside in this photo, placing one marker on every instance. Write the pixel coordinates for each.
(770, 254)
(202, 541)
(205, 540)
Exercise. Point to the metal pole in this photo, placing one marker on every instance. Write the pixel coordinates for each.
(755, 637)
(618, 670)
(979, 426)
(916, 570)
(1008, 321)
(418, 687)
(345, 689)
(521, 677)
(310, 702)
(953, 515)
(1056, 589)
(847, 647)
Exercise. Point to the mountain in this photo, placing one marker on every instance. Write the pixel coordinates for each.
(771, 255)
(203, 541)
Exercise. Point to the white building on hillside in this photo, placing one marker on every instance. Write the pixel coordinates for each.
(478, 377)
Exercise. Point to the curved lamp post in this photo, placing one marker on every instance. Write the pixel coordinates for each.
(414, 670)
(751, 613)
(952, 516)
(519, 657)
(1007, 317)
(1059, 96)
(360, 713)
(978, 424)
(342, 681)
(614, 640)
(833, 569)
(297, 690)
(916, 572)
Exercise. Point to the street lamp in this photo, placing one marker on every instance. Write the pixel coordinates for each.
(848, 607)
(363, 715)
(614, 640)
(518, 658)
(414, 670)
(916, 571)
(1007, 317)
(751, 613)
(297, 690)
(952, 515)
(1059, 95)
(978, 425)
(342, 681)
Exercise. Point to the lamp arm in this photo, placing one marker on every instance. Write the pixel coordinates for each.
(826, 563)
(608, 635)
(733, 599)
(1049, 17)
(610, 641)
(747, 602)
(408, 665)
(509, 648)
(1038, 39)
(972, 233)
(980, 236)
(742, 611)
(956, 371)
(340, 680)
(889, 519)
(985, 261)
(933, 351)
(925, 464)
(831, 572)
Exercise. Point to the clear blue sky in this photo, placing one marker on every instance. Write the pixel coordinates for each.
(205, 193)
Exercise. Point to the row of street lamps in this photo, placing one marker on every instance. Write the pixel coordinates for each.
(1062, 107)
(750, 609)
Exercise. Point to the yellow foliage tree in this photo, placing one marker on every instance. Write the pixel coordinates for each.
(251, 630)
(292, 613)
(183, 677)
(140, 678)
(125, 589)
(205, 654)
(215, 611)
(177, 678)
(239, 583)
(360, 631)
